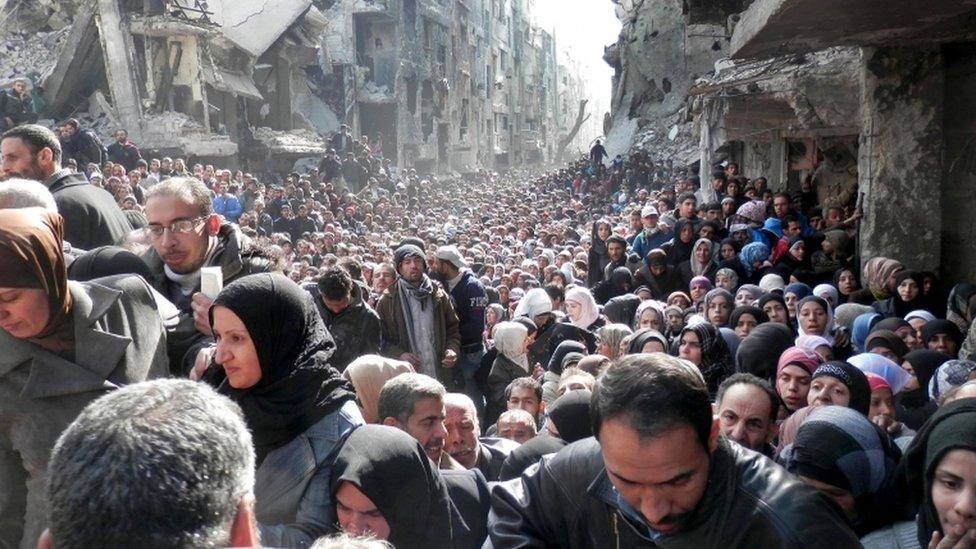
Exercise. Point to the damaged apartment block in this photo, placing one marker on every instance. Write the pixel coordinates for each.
(438, 85)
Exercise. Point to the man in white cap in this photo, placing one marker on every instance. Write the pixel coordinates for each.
(652, 236)
(470, 299)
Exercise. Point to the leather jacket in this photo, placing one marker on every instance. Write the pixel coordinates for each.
(567, 501)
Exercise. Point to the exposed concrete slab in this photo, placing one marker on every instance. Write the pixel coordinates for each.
(778, 27)
(119, 66)
(160, 26)
(254, 25)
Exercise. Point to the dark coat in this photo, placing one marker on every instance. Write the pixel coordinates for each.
(567, 501)
(19, 109)
(91, 217)
(85, 148)
(469, 492)
(503, 372)
(119, 339)
(470, 300)
(356, 329)
(126, 154)
(492, 453)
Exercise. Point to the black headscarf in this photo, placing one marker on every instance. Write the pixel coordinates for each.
(621, 309)
(571, 415)
(756, 313)
(937, 326)
(564, 348)
(962, 305)
(716, 361)
(924, 363)
(952, 426)
(108, 261)
(643, 337)
(852, 378)
(885, 338)
(298, 387)
(390, 468)
(677, 250)
(759, 352)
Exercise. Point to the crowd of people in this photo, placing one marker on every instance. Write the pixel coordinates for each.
(365, 356)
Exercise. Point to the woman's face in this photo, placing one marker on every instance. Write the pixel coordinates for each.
(603, 231)
(703, 253)
(690, 348)
(574, 309)
(503, 293)
(953, 490)
(928, 284)
(908, 290)
(24, 312)
(885, 352)
(491, 317)
(846, 283)
(798, 251)
(826, 391)
(793, 385)
(235, 349)
(776, 312)
(791, 300)
(697, 292)
(653, 346)
(917, 324)
(745, 325)
(742, 299)
(687, 233)
(727, 251)
(813, 318)
(913, 382)
(680, 302)
(358, 514)
(944, 344)
(723, 281)
(650, 319)
(828, 298)
(674, 320)
(718, 311)
(882, 404)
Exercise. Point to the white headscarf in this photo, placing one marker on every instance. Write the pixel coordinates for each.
(535, 302)
(510, 341)
(590, 310)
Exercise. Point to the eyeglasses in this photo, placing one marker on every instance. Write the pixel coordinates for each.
(182, 226)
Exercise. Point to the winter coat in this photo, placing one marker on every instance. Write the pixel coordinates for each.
(119, 339)
(85, 148)
(396, 340)
(19, 109)
(356, 329)
(503, 372)
(569, 502)
(228, 206)
(470, 300)
(91, 217)
(126, 154)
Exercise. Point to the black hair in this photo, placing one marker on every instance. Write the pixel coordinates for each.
(524, 383)
(335, 284)
(36, 138)
(555, 292)
(652, 393)
(685, 196)
(749, 379)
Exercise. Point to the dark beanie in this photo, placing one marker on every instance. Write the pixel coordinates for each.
(406, 251)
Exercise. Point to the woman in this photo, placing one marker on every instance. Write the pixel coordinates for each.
(878, 275)
(367, 374)
(834, 253)
(597, 257)
(274, 350)
(384, 486)
(555, 367)
(814, 317)
(752, 258)
(794, 372)
(63, 345)
(698, 287)
(792, 260)
(679, 248)
(903, 329)
(886, 344)
(863, 326)
(748, 294)
(703, 346)
(582, 310)
(745, 319)
(842, 384)
(759, 353)
(940, 470)
(792, 294)
(647, 341)
(906, 297)
(775, 308)
(702, 261)
(816, 344)
(512, 343)
(827, 293)
(658, 275)
(650, 314)
(727, 279)
(842, 454)
(718, 307)
(609, 337)
(494, 313)
(915, 406)
(943, 336)
(952, 373)
(845, 280)
(962, 306)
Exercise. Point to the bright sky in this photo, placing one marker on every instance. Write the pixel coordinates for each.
(584, 27)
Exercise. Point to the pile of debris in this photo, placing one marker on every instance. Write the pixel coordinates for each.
(30, 55)
(291, 143)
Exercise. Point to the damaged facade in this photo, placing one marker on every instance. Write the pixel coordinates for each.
(873, 105)
(445, 85)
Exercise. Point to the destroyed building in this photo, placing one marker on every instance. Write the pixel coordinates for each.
(872, 104)
(445, 85)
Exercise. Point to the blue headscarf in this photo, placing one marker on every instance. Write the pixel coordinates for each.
(799, 289)
(753, 252)
(862, 329)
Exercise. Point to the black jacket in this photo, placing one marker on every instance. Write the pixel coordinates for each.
(126, 154)
(356, 329)
(470, 300)
(20, 110)
(85, 148)
(91, 217)
(567, 502)
(492, 453)
(469, 494)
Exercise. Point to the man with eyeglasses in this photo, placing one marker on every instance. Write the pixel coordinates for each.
(186, 235)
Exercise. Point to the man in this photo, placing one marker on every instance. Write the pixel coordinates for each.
(617, 252)
(747, 408)
(658, 474)
(688, 206)
(418, 320)
(16, 106)
(525, 393)
(598, 153)
(464, 443)
(287, 223)
(470, 299)
(354, 325)
(783, 207)
(226, 204)
(330, 167)
(516, 425)
(186, 235)
(342, 141)
(91, 217)
(414, 403)
(651, 236)
(124, 151)
(81, 145)
(171, 462)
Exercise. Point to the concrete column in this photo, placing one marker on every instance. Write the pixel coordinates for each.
(119, 66)
(900, 156)
(777, 161)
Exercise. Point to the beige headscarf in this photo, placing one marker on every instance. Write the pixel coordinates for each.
(367, 374)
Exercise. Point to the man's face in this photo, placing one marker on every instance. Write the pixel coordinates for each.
(337, 306)
(120, 136)
(650, 222)
(792, 229)
(182, 253)
(412, 269)
(635, 222)
(20, 87)
(688, 208)
(515, 430)
(744, 416)
(462, 435)
(18, 161)
(524, 398)
(663, 478)
(615, 250)
(781, 206)
(426, 426)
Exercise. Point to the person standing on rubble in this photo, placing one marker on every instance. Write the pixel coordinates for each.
(124, 151)
(16, 106)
